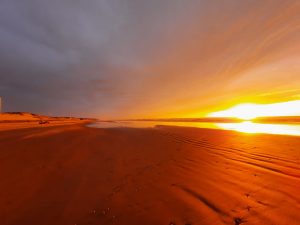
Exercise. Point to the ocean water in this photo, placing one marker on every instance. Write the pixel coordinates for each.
(244, 127)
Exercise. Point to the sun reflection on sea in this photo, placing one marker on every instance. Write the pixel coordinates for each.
(250, 127)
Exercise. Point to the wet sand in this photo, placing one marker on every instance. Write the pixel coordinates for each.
(166, 175)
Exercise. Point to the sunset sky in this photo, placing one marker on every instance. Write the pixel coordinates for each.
(147, 59)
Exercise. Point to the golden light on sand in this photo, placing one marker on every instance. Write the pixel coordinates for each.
(250, 111)
(250, 127)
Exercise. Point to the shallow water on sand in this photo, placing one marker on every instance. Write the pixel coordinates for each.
(244, 127)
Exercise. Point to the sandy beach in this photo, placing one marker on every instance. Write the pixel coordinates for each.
(19, 120)
(79, 175)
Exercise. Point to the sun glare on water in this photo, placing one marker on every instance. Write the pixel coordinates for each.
(250, 111)
(250, 127)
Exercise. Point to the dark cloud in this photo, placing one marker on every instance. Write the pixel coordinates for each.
(140, 58)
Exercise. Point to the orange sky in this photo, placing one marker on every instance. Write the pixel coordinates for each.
(252, 58)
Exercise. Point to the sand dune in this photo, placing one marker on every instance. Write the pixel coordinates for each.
(164, 175)
(17, 120)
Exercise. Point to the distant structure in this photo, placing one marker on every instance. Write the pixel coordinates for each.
(0, 104)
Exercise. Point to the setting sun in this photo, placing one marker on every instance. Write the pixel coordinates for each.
(250, 111)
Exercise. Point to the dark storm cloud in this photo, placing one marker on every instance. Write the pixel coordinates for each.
(51, 52)
(116, 57)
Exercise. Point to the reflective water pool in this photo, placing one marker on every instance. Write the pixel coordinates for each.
(245, 127)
